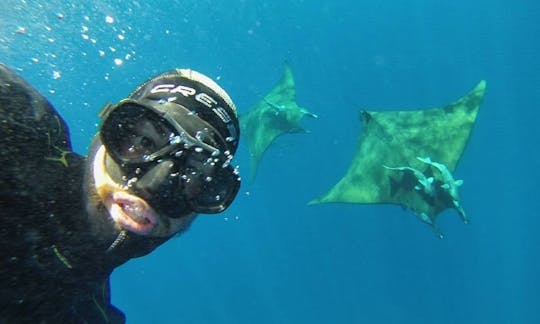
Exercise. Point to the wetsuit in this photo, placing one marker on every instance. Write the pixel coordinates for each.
(54, 258)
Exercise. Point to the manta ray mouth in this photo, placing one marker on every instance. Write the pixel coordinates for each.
(133, 213)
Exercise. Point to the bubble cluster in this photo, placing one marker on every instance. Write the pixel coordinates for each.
(57, 39)
(119, 53)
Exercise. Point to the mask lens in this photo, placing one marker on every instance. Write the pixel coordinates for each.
(210, 187)
(219, 192)
(133, 133)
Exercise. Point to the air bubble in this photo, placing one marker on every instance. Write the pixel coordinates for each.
(20, 30)
(131, 181)
(200, 136)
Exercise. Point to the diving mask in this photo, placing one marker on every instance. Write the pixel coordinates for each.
(175, 153)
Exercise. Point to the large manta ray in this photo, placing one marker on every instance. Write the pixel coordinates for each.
(276, 114)
(407, 157)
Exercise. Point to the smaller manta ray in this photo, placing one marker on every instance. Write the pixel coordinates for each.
(276, 114)
(426, 184)
(395, 159)
(448, 184)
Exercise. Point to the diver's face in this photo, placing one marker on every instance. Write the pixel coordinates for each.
(132, 211)
(153, 174)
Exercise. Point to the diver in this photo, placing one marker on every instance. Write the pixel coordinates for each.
(161, 156)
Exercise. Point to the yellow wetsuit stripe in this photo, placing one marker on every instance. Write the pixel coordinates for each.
(62, 258)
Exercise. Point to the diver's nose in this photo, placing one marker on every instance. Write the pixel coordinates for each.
(154, 178)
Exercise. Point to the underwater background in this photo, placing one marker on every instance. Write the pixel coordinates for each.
(270, 258)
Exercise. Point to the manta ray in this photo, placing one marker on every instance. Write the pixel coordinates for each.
(407, 157)
(274, 115)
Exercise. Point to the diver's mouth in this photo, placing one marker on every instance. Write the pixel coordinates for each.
(132, 213)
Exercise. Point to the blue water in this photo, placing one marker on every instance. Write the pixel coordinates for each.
(270, 258)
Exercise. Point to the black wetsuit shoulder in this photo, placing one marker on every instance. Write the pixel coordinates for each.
(43, 218)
